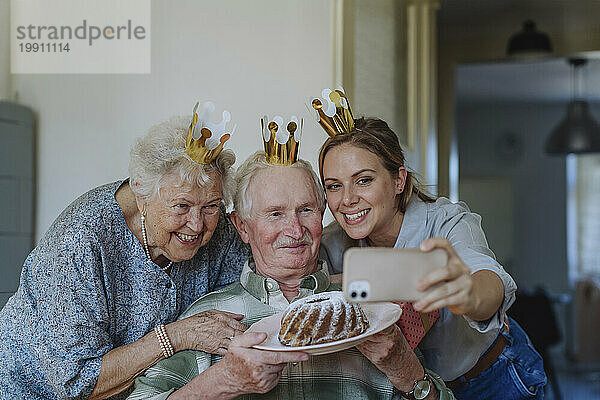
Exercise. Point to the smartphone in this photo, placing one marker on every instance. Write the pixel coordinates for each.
(374, 274)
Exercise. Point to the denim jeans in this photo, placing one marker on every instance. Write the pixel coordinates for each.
(518, 373)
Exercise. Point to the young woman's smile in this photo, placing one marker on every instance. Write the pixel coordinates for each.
(361, 193)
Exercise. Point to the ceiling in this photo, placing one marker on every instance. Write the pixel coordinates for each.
(494, 21)
(553, 15)
(547, 80)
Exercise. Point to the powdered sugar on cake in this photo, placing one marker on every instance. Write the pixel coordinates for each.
(321, 318)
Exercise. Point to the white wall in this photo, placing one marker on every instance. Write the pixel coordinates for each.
(4, 50)
(250, 57)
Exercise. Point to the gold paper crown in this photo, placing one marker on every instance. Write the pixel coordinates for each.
(205, 140)
(335, 115)
(281, 141)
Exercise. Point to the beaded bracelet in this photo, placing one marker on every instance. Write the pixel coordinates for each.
(163, 340)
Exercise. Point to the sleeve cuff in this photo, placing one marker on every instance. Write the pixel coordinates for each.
(497, 320)
(438, 382)
(149, 396)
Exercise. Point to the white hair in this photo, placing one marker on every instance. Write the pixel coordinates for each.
(242, 202)
(160, 154)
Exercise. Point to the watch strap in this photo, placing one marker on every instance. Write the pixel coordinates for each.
(420, 390)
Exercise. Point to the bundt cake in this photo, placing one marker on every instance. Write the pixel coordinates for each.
(321, 318)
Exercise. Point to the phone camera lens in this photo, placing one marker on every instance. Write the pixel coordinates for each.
(353, 294)
(363, 294)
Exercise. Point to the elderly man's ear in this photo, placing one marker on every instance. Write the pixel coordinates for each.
(240, 225)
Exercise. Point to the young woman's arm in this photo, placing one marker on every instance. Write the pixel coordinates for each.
(477, 295)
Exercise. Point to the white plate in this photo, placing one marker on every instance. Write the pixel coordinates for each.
(380, 316)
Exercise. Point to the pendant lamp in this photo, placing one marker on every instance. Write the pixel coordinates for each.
(529, 43)
(578, 132)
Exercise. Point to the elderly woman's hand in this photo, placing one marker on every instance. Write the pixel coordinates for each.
(210, 331)
(248, 370)
(477, 295)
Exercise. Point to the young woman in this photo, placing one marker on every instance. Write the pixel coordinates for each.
(376, 201)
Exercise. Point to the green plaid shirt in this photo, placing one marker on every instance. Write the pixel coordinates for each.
(343, 375)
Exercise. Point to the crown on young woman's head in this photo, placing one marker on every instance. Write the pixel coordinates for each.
(281, 139)
(205, 139)
(333, 111)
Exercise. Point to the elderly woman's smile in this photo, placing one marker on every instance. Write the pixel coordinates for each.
(182, 217)
(186, 239)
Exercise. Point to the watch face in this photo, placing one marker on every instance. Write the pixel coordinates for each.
(422, 389)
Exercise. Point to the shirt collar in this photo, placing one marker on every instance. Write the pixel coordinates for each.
(415, 217)
(263, 288)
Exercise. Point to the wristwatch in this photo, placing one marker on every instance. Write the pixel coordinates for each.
(420, 390)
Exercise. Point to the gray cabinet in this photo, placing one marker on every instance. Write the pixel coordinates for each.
(17, 183)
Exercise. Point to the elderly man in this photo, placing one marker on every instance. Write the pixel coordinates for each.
(279, 211)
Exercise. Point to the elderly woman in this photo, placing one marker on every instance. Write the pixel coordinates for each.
(119, 262)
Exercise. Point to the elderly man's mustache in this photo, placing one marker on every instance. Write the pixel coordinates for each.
(289, 242)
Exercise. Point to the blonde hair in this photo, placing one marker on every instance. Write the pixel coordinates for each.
(376, 136)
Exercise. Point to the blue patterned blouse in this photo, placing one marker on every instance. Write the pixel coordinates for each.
(88, 288)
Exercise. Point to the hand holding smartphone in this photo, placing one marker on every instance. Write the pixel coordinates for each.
(374, 274)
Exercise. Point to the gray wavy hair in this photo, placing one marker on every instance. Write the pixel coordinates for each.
(160, 153)
(242, 203)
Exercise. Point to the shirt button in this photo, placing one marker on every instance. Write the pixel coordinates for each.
(270, 286)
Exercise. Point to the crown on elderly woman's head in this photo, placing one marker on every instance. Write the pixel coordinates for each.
(205, 139)
(281, 139)
(333, 111)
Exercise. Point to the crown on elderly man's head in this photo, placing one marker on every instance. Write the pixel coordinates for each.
(333, 111)
(205, 139)
(281, 140)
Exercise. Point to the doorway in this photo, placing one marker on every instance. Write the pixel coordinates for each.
(534, 206)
